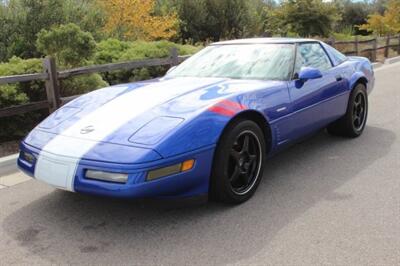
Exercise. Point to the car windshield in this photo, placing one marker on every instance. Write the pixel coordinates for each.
(245, 61)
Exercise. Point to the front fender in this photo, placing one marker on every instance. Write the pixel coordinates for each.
(363, 72)
(201, 130)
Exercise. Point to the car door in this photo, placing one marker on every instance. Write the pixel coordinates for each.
(310, 99)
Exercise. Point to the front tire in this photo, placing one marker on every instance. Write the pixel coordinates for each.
(238, 162)
(352, 124)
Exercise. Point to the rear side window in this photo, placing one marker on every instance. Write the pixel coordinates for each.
(337, 57)
(311, 55)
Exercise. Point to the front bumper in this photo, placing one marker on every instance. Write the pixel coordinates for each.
(194, 182)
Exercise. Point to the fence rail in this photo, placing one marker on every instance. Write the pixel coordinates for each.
(52, 76)
(52, 79)
(374, 42)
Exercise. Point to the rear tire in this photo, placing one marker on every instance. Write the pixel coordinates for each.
(238, 162)
(352, 124)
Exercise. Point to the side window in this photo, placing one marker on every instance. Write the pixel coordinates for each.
(337, 56)
(311, 55)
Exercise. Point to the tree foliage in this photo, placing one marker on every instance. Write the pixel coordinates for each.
(388, 23)
(352, 14)
(203, 20)
(307, 17)
(22, 20)
(134, 19)
(67, 43)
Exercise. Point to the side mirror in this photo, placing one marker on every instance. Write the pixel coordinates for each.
(172, 68)
(307, 73)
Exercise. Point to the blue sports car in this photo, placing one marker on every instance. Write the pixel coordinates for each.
(206, 127)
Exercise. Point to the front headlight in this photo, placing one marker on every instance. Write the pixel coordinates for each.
(170, 170)
(106, 176)
(154, 131)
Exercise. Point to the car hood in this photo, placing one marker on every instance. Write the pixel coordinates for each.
(116, 114)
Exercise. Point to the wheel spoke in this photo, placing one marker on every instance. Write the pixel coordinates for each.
(246, 178)
(235, 155)
(358, 99)
(246, 141)
(252, 158)
(235, 175)
(253, 167)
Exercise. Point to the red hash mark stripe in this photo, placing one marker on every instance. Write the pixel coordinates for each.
(227, 108)
(232, 105)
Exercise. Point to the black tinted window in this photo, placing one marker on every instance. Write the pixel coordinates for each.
(312, 55)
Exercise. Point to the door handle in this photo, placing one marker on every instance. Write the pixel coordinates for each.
(339, 78)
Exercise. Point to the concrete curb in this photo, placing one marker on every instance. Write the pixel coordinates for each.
(392, 60)
(8, 164)
(387, 61)
(377, 65)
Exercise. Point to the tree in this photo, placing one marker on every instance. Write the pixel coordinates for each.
(202, 20)
(21, 21)
(352, 14)
(134, 19)
(28, 18)
(67, 43)
(87, 15)
(388, 23)
(307, 17)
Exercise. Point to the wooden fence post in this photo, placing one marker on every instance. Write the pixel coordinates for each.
(332, 41)
(398, 47)
(52, 85)
(375, 48)
(174, 57)
(387, 46)
(356, 45)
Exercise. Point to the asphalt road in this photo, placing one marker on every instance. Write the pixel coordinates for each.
(327, 200)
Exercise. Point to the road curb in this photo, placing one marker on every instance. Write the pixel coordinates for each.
(8, 164)
(392, 60)
(388, 61)
(377, 65)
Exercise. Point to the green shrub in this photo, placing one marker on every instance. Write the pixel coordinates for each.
(16, 127)
(82, 84)
(112, 50)
(19, 93)
(67, 43)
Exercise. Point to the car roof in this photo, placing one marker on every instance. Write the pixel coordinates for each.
(264, 40)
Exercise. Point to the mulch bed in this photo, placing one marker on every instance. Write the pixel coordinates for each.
(9, 147)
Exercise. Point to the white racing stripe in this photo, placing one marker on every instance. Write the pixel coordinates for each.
(62, 154)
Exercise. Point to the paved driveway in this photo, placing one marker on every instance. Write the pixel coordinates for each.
(327, 200)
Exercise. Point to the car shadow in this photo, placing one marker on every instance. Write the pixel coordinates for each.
(64, 227)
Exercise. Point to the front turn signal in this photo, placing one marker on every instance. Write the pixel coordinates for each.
(170, 170)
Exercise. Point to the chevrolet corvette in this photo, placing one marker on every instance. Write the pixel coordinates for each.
(206, 127)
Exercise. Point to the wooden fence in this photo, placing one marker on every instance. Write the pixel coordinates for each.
(356, 46)
(52, 76)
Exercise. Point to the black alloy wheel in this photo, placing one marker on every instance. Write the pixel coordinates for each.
(359, 111)
(238, 162)
(244, 162)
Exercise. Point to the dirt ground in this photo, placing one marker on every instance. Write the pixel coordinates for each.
(8, 148)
